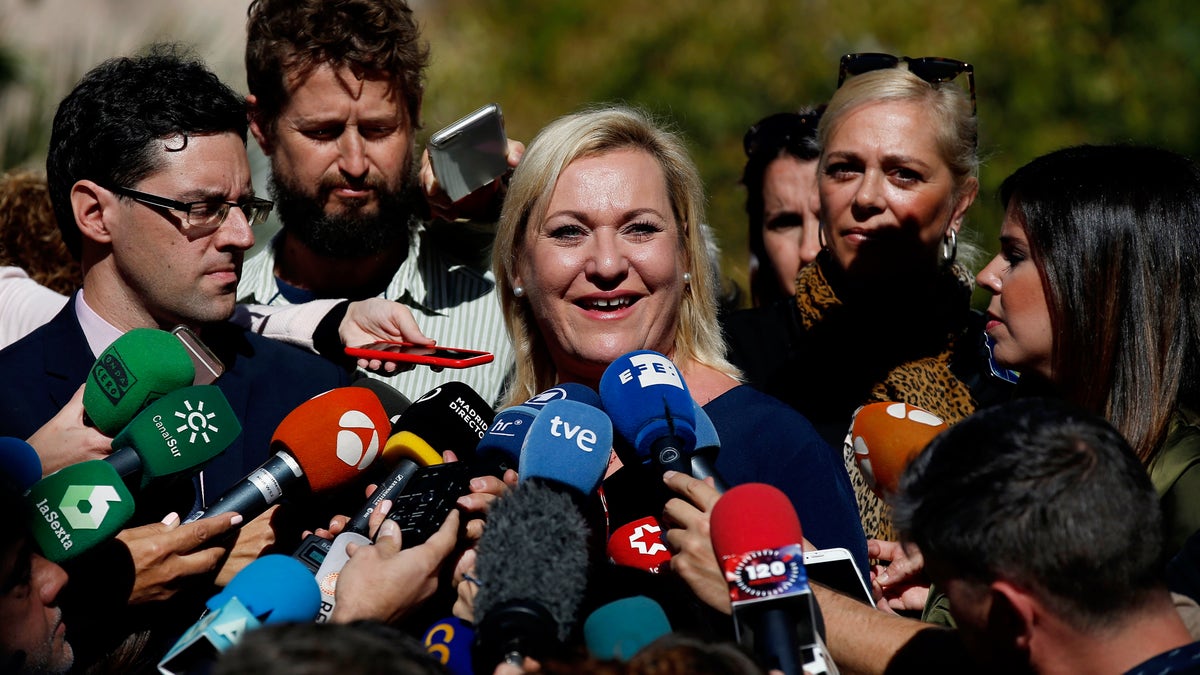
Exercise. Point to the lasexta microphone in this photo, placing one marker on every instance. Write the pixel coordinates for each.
(137, 368)
(886, 437)
(77, 507)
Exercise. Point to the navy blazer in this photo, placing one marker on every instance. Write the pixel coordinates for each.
(263, 380)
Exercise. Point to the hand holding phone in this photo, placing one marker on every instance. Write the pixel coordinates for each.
(434, 356)
(471, 152)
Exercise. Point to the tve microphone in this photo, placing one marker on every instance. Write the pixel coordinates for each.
(639, 544)
(137, 368)
(77, 507)
(569, 391)
(20, 461)
(651, 408)
(394, 403)
(180, 431)
(272, 589)
(621, 628)
(569, 443)
(886, 437)
(757, 539)
(451, 416)
(449, 641)
(324, 443)
(534, 534)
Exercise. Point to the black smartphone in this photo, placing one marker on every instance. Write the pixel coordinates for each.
(428, 498)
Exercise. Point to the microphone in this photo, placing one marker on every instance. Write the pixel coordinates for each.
(77, 507)
(639, 544)
(621, 628)
(757, 537)
(569, 443)
(500, 447)
(394, 403)
(272, 589)
(324, 443)
(534, 534)
(886, 437)
(137, 368)
(449, 641)
(451, 416)
(20, 461)
(708, 444)
(180, 431)
(569, 391)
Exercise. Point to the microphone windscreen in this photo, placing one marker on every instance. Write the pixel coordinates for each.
(77, 507)
(275, 588)
(20, 461)
(180, 431)
(706, 433)
(451, 416)
(334, 436)
(621, 628)
(886, 437)
(753, 516)
(394, 403)
(639, 544)
(647, 399)
(407, 445)
(569, 391)
(137, 368)
(449, 641)
(569, 443)
(534, 534)
(507, 434)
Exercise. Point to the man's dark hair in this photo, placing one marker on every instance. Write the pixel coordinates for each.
(365, 648)
(291, 38)
(1046, 496)
(106, 129)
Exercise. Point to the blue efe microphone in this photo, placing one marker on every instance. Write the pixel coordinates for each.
(651, 408)
(569, 443)
(20, 461)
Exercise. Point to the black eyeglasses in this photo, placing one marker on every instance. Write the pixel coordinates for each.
(203, 217)
(932, 69)
(781, 130)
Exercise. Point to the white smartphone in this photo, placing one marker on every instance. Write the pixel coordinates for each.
(208, 366)
(835, 568)
(470, 153)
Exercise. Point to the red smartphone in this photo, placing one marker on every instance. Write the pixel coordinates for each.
(436, 356)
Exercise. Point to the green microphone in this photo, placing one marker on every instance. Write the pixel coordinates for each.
(77, 507)
(177, 432)
(137, 368)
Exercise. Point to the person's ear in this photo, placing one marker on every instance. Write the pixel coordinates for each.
(1014, 614)
(94, 209)
(966, 197)
(258, 126)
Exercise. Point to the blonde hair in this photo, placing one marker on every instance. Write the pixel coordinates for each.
(592, 133)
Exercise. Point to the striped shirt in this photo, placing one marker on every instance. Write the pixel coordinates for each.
(452, 303)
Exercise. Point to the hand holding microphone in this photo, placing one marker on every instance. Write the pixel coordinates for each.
(67, 439)
(163, 553)
(689, 535)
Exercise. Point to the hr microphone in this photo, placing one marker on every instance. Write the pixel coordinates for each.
(621, 628)
(451, 416)
(272, 589)
(77, 507)
(757, 538)
(137, 368)
(324, 443)
(500, 447)
(886, 437)
(20, 461)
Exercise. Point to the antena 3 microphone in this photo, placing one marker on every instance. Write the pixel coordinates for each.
(137, 368)
(886, 437)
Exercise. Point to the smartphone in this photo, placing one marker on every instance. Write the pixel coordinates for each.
(835, 568)
(438, 357)
(208, 366)
(470, 153)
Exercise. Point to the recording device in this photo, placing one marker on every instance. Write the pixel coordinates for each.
(621, 628)
(433, 356)
(757, 538)
(886, 437)
(449, 641)
(272, 589)
(835, 568)
(324, 443)
(137, 368)
(20, 462)
(471, 152)
(77, 507)
(208, 367)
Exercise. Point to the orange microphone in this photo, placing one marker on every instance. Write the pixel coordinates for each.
(886, 437)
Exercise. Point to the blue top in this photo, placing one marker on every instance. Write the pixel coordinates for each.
(764, 440)
(1185, 659)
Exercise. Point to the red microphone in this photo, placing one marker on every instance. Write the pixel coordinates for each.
(757, 539)
(886, 437)
(639, 545)
(324, 443)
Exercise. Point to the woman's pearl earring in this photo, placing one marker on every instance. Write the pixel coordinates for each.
(519, 291)
(687, 277)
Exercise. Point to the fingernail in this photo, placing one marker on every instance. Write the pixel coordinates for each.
(170, 519)
(668, 474)
(385, 506)
(478, 484)
(236, 519)
(882, 578)
(464, 501)
(389, 529)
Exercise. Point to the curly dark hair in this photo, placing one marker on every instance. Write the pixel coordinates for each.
(292, 38)
(105, 129)
(29, 237)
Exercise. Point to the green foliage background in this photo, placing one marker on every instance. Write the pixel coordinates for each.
(1049, 73)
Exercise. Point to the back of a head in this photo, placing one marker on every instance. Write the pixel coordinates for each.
(319, 648)
(1045, 495)
(290, 37)
(677, 654)
(29, 236)
(105, 129)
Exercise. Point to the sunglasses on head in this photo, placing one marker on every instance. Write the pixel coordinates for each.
(781, 130)
(932, 69)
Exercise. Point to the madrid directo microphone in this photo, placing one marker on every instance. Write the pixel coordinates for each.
(886, 437)
(324, 443)
(757, 539)
(137, 368)
(77, 507)
(451, 416)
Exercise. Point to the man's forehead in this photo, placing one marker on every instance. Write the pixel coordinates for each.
(201, 158)
(355, 82)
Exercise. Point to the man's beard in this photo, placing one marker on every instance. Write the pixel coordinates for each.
(350, 233)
